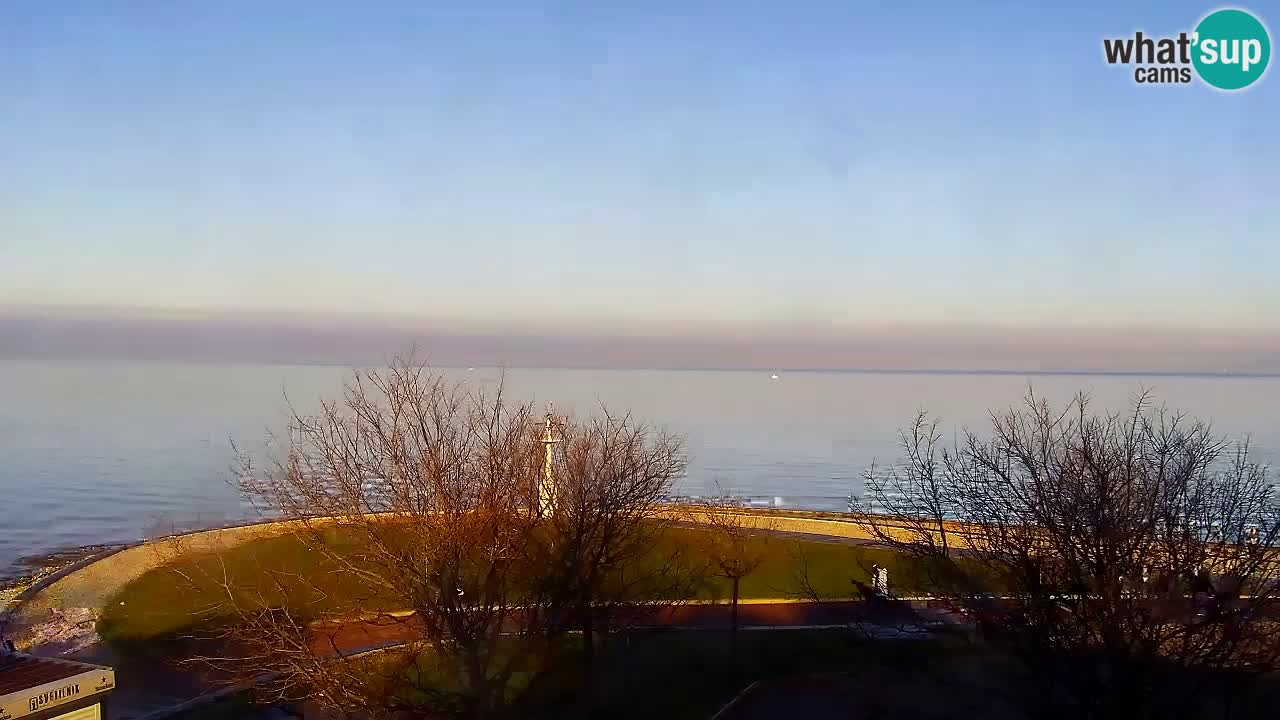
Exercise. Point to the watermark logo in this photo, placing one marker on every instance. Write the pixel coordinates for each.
(1229, 49)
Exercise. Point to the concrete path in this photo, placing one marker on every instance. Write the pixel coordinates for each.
(56, 615)
(880, 618)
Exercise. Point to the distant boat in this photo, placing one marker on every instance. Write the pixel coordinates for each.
(773, 377)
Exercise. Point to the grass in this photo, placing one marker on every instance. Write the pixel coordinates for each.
(188, 592)
(691, 674)
(831, 569)
(679, 674)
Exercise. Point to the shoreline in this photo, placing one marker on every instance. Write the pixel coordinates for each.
(29, 570)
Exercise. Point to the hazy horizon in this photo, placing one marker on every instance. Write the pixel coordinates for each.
(728, 185)
(48, 334)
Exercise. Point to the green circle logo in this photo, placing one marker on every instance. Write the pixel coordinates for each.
(1232, 49)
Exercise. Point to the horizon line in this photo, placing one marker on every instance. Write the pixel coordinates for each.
(117, 360)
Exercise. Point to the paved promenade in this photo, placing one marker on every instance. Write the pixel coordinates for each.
(57, 615)
(91, 583)
(879, 618)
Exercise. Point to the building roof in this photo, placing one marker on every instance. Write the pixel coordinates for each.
(29, 683)
(19, 672)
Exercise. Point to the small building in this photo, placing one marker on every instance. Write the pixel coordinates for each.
(37, 688)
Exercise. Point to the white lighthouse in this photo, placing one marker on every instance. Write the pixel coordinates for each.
(547, 487)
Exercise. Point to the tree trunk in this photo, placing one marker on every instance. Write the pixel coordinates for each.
(481, 705)
(733, 622)
(732, 614)
(588, 653)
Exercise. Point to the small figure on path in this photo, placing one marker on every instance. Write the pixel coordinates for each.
(865, 591)
(880, 579)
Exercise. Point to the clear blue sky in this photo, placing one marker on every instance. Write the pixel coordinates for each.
(655, 165)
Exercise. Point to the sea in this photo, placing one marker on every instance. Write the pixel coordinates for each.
(105, 453)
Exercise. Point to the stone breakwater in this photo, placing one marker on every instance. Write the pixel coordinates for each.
(39, 568)
(60, 604)
(55, 611)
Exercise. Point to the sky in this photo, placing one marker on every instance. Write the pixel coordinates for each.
(829, 184)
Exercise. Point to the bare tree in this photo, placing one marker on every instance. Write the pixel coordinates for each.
(606, 541)
(416, 491)
(422, 499)
(1121, 560)
(735, 544)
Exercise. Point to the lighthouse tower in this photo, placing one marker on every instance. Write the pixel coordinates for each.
(547, 486)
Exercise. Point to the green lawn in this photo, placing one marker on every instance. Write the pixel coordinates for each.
(678, 675)
(831, 569)
(191, 590)
(693, 674)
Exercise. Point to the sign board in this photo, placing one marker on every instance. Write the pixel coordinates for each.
(92, 681)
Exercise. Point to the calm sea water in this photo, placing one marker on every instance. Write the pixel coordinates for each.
(115, 452)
